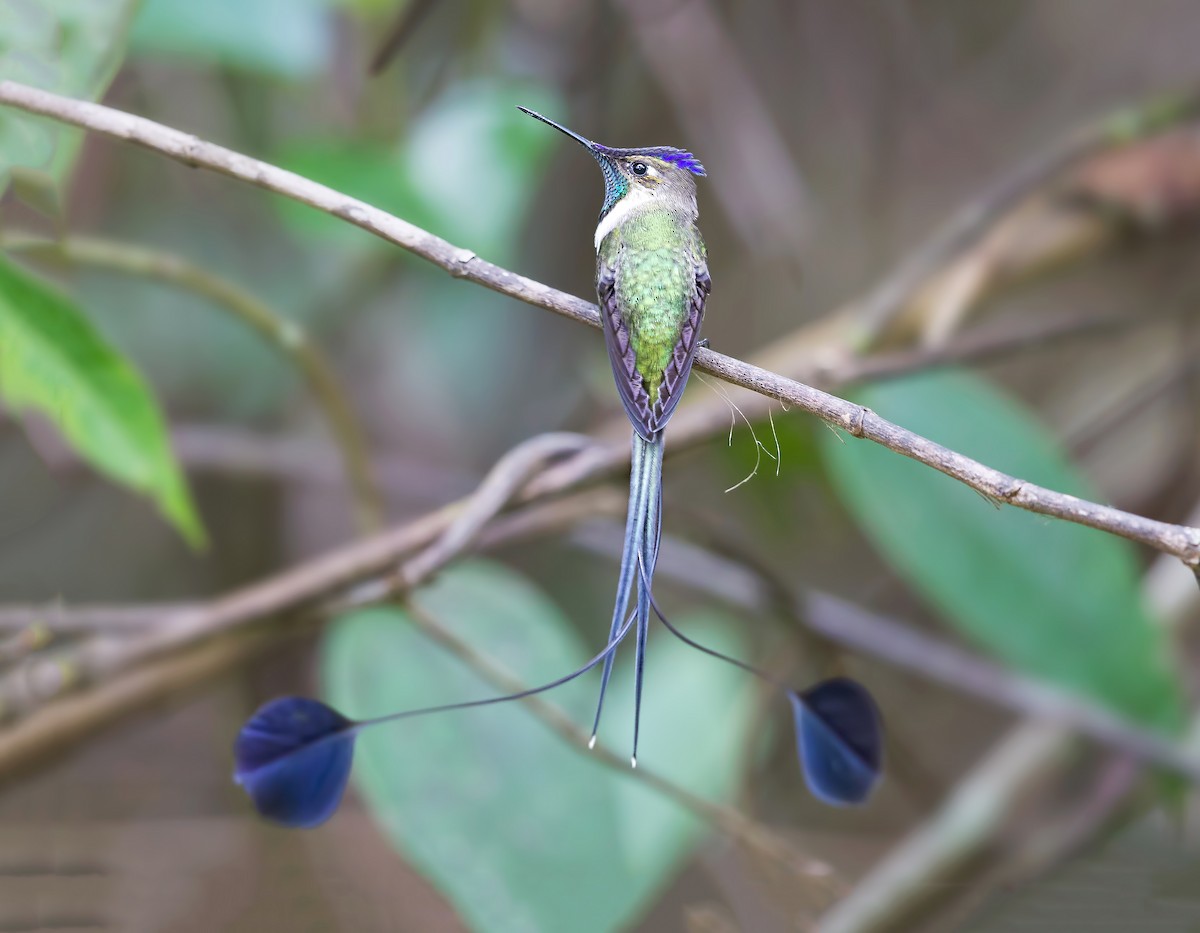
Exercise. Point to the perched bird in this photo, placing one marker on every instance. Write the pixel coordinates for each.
(293, 756)
(652, 283)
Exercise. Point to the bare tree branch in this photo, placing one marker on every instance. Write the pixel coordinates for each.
(873, 635)
(177, 652)
(835, 619)
(336, 575)
(62, 620)
(965, 227)
(729, 821)
(979, 806)
(978, 810)
(1182, 542)
(981, 343)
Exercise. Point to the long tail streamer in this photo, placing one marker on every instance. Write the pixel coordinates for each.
(640, 548)
(293, 756)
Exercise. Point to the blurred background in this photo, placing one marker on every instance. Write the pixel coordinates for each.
(1057, 343)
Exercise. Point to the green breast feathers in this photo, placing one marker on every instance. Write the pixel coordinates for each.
(652, 281)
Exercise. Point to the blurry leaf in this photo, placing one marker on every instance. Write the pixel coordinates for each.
(365, 170)
(1050, 598)
(465, 171)
(285, 38)
(52, 361)
(373, 7)
(696, 718)
(519, 830)
(476, 160)
(72, 47)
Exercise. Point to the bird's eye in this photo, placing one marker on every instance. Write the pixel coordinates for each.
(640, 168)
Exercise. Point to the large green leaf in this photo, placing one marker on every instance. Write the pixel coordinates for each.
(72, 47)
(284, 38)
(521, 831)
(1050, 598)
(53, 362)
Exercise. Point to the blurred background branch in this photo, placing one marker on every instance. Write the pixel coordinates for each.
(1045, 327)
(856, 420)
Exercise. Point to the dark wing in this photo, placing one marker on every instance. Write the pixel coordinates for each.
(649, 416)
(676, 374)
(621, 355)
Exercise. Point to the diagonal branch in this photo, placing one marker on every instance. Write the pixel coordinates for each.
(728, 820)
(179, 650)
(969, 224)
(1178, 540)
(901, 646)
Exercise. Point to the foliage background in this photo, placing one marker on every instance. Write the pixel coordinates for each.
(887, 117)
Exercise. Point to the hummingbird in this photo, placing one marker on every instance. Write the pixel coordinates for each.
(293, 755)
(652, 284)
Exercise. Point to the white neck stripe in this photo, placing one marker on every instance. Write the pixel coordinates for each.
(637, 197)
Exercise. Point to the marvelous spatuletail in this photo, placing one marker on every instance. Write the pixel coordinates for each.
(293, 756)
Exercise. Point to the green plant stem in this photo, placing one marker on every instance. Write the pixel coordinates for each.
(285, 335)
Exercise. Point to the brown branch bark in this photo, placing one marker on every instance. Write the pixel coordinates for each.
(1182, 542)
(153, 665)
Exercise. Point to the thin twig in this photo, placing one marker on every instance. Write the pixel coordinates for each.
(73, 718)
(978, 807)
(861, 422)
(833, 618)
(63, 620)
(506, 478)
(46, 677)
(284, 334)
(981, 343)
(843, 623)
(1104, 799)
(1180, 541)
(407, 22)
(730, 821)
(25, 693)
(965, 228)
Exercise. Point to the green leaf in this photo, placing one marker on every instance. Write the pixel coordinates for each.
(466, 169)
(369, 171)
(1050, 598)
(72, 47)
(281, 38)
(517, 828)
(53, 362)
